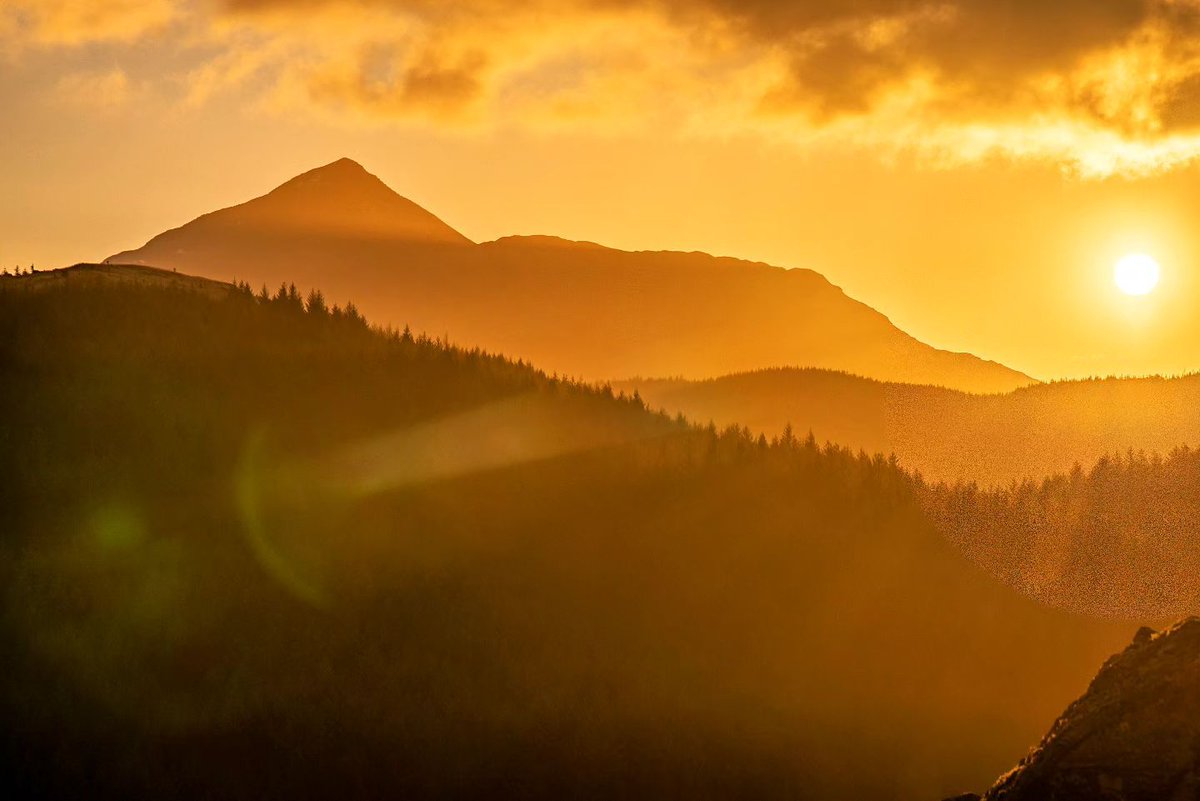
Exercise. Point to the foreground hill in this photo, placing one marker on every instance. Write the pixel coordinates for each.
(1133, 736)
(574, 308)
(254, 551)
(950, 436)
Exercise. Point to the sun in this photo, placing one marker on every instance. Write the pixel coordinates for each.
(1136, 274)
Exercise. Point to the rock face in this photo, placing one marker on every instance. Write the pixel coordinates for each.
(1133, 736)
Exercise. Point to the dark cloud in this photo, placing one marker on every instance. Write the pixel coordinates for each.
(1181, 109)
(387, 78)
(985, 49)
(987, 45)
(1024, 76)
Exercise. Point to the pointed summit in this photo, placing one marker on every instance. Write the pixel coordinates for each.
(343, 199)
(339, 202)
(344, 163)
(344, 171)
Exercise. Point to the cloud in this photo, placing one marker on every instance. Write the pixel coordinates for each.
(1096, 86)
(74, 22)
(392, 81)
(109, 89)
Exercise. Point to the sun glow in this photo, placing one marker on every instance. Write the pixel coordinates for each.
(1136, 274)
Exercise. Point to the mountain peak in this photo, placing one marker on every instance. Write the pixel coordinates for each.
(344, 163)
(342, 175)
(345, 168)
(344, 198)
(338, 202)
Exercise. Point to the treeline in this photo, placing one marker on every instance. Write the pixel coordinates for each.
(289, 298)
(252, 549)
(952, 436)
(1119, 539)
(148, 359)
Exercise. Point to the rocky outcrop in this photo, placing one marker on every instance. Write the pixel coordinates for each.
(1133, 736)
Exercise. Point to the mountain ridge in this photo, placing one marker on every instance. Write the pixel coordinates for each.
(577, 308)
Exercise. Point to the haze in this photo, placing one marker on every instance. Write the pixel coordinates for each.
(600, 400)
(865, 142)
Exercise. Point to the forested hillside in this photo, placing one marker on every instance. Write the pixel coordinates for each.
(1120, 538)
(253, 548)
(1028, 433)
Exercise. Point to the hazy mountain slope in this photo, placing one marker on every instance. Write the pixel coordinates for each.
(579, 309)
(1030, 432)
(338, 201)
(1134, 735)
(1117, 538)
(250, 551)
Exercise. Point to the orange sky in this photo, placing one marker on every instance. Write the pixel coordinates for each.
(972, 169)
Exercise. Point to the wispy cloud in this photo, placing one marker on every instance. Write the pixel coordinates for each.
(1096, 86)
(75, 22)
(109, 89)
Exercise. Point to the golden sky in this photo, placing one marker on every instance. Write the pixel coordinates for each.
(973, 169)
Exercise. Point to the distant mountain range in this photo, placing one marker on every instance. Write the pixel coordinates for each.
(572, 307)
(949, 435)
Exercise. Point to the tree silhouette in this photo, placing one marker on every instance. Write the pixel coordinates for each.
(315, 304)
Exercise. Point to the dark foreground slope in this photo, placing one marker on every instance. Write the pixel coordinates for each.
(948, 435)
(575, 308)
(1133, 736)
(251, 551)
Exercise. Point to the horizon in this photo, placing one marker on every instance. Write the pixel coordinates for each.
(979, 200)
(1037, 382)
(263, 192)
(1129, 321)
(676, 378)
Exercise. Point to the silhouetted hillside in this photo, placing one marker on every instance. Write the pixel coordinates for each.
(949, 436)
(254, 549)
(575, 308)
(1134, 735)
(102, 276)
